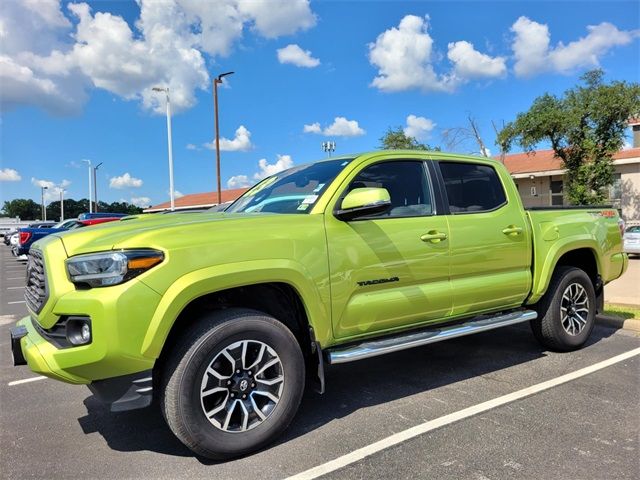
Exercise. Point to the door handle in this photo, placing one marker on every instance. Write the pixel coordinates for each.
(512, 230)
(433, 236)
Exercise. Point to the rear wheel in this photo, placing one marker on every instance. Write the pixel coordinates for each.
(233, 383)
(566, 313)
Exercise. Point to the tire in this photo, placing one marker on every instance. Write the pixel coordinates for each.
(200, 363)
(564, 324)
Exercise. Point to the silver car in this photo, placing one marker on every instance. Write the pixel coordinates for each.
(632, 240)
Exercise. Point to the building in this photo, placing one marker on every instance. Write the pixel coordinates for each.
(198, 200)
(540, 178)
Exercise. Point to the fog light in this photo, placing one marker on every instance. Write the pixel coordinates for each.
(79, 330)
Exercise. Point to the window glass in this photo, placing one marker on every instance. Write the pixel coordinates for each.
(471, 187)
(292, 191)
(406, 182)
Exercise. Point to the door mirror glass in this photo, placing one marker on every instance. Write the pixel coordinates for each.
(360, 202)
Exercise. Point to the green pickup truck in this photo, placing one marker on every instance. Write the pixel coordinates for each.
(223, 317)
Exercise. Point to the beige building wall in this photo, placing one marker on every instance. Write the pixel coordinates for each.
(629, 193)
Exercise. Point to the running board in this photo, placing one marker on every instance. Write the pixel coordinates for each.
(373, 348)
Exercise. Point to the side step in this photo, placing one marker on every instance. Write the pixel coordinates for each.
(373, 348)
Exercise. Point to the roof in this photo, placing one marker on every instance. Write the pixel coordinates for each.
(193, 200)
(546, 161)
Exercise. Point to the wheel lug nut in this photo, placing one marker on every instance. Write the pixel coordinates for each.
(244, 396)
(238, 371)
(250, 373)
(253, 385)
(233, 395)
(228, 382)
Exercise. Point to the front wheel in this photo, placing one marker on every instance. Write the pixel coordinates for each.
(233, 383)
(567, 311)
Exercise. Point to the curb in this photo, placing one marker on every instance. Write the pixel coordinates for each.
(632, 324)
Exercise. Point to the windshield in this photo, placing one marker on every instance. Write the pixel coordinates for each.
(634, 229)
(292, 191)
(64, 224)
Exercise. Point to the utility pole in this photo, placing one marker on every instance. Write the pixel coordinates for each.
(44, 208)
(216, 81)
(95, 186)
(61, 203)
(90, 189)
(169, 141)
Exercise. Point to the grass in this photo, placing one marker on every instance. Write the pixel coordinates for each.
(622, 311)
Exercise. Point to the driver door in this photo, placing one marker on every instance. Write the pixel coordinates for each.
(388, 271)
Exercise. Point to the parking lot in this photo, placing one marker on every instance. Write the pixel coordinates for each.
(455, 409)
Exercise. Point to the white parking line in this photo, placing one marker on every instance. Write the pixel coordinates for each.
(13, 303)
(26, 380)
(13, 288)
(16, 278)
(423, 428)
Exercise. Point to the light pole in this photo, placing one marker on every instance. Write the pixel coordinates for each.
(95, 187)
(216, 81)
(171, 190)
(44, 208)
(90, 177)
(329, 147)
(61, 190)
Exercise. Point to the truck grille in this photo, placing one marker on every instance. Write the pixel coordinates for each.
(35, 293)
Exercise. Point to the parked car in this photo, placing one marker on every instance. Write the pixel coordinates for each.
(10, 232)
(224, 316)
(632, 240)
(30, 235)
(93, 215)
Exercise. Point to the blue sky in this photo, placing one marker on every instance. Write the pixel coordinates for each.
(76, 79)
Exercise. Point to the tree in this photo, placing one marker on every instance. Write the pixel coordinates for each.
(396, 139)
(457, 137)
(24, 208)
(585, 127)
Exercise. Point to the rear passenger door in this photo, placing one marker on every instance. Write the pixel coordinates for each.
(490, 243)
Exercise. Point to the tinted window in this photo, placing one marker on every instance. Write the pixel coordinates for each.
(471, 187)
(406, 183)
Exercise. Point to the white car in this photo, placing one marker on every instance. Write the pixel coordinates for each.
(632, 240)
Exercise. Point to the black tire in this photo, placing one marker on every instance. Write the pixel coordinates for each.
(548, 327)
(183, 371)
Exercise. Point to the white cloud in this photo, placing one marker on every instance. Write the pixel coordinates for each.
(191, 146)
(470, 63)
(142, 202)
(178, 194)
(52, 190)
(294, 55)
(267, 169)
(341, 127)
(419, 127)
(403, 56)
(124, 181)
(52, 63)
(240, 143)
(9, 175)
(238, 181)
(533, 53)
(312, 128)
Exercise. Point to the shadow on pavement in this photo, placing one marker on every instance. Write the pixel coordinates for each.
(350, 387)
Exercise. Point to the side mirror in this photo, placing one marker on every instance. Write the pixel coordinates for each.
(360, 202)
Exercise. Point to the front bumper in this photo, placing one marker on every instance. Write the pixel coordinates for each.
(632, 248)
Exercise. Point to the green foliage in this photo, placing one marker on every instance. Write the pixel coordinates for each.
(395, 139)
(27, 209)
(24, 208)
(585, 127)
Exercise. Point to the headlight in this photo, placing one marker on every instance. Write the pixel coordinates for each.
(111, 268)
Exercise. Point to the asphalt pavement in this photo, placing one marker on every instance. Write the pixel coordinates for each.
(585, 427)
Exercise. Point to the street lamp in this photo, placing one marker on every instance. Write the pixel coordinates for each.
(44, 208)
(216, 81)
(171, 191)
(95, 186)
(90, 177)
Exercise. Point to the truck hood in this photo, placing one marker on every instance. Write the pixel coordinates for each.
(162, 231)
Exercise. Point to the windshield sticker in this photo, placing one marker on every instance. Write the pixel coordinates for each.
(303, 206)
(318, 188)
(344, 163)
(309, 199)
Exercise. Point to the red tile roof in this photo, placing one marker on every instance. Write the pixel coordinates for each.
(544, 160)
(206, 199)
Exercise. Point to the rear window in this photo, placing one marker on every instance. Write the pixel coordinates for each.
(633, 229)
(472, 188)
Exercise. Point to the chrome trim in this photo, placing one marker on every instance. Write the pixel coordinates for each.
(373, 348)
